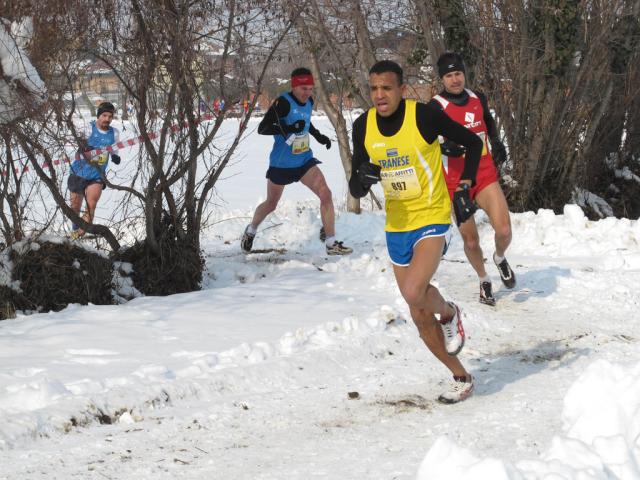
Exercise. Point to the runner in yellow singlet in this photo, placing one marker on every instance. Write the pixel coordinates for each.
(396, 143)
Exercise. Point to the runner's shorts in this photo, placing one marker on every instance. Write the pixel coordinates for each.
(487, 174)
(285, 176)
(78, 184)
(400, 245)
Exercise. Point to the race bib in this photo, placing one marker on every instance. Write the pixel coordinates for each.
(401, 184)
(100, 159)
(483, 137)
(300, 144)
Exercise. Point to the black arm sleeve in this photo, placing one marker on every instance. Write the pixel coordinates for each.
(492, 130)
(359, 157)
(314, 131)
(433, 122)
(271, 124)
(434, 104)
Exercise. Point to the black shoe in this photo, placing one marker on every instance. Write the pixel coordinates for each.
(486, 295)
(246, 242)
(323, 235)
(506, 274)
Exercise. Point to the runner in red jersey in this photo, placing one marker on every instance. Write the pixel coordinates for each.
(470, 109)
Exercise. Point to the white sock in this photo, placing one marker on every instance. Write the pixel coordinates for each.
(486, 278)
(329, 241)
(252, 230)
(497, 259)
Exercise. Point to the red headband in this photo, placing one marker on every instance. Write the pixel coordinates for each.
(306, 79)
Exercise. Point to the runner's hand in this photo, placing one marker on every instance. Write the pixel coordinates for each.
(368, 174)
(452, 149)
(295, 127)
(463, 206)
(324, 140)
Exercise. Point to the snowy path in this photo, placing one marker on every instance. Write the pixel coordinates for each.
(277, 405)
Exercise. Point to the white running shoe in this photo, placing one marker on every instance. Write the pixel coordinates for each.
(453, 332)
(461, 388)
(338, 249)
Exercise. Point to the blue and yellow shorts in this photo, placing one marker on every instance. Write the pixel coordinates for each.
(400, 244)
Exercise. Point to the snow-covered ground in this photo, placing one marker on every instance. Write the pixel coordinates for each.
(294, 365)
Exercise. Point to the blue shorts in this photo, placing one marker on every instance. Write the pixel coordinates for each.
(400, 244)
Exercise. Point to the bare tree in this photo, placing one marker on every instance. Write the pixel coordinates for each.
(337, 41)
(555, 74)
(170, 57)
(12, 211)
(21, 93)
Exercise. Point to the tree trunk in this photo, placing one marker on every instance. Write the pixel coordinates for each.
(336, 118)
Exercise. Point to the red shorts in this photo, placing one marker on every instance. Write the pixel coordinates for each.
(486, 175)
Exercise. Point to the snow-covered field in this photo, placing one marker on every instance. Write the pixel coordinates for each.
(295, 365)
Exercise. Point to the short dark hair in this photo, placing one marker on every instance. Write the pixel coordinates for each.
(384, 66)
(300, 71)
(105, 107)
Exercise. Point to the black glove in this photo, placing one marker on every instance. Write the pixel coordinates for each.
(463, 206)
(295, 127)
(452, 149)
(324, 140)
(115, 158)
(368, 174)
(498, 152)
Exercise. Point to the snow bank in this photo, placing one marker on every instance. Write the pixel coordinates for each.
(601, 424)
(16, 67)
(606, 244)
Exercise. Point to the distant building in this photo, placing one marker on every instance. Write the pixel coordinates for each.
(98, 82)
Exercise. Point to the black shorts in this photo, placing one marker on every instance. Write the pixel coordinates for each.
(285, 176)
(78, 184)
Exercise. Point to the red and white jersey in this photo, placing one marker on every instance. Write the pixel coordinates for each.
(471, 116)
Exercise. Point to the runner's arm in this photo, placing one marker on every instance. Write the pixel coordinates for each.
(498, 151)
(322, 139)
(448, 147)
(489, 121)
(433, 122)
(115, 158)
(272, 124)
(314, 131)
(360, 156)
(83, 132)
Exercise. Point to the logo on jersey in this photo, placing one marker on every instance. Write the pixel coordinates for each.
(378, 145)
(394, 160)
(469, 118)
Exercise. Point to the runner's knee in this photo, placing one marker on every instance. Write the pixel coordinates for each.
(503, 232)
(92, 201)
(324, 194)
(412, 293)
(471, 242)
(270, 204)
